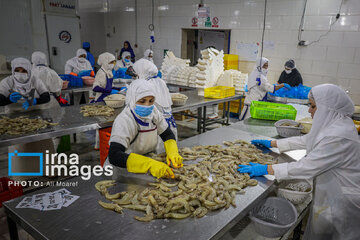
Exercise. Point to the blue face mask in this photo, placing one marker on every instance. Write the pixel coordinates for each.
(143, 111)
(127, 60)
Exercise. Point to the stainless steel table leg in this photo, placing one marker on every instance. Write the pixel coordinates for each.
(199, 115)
(297, 231)
(240, 105)
(13, 231)
(228, 113)
(224, 111)
(204, 119)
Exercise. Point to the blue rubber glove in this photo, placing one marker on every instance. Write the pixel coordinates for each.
(14, 97)
(123, 89)
(287, 86)
(259, 81)
(262, 142)
(254, 170)
(26, 104)
(114, 91)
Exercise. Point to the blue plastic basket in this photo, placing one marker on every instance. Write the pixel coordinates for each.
(120, 73)
(84, 73)
(74, 81)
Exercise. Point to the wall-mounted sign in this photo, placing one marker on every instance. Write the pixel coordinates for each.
(208, 22)
(65, 36)
(60, 6)
(194, 22)
(215, 22)
(203, 12)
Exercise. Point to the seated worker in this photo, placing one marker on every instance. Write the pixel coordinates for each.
(125, 61)
(19, 85)
(77, 64)
(135, 132)
(103, 85)
(290, 75)
(50, 78)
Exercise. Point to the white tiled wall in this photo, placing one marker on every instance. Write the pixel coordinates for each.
(334, 59)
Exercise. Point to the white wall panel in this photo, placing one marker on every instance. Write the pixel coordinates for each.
(335, 56)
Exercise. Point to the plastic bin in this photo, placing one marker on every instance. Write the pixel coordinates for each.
(84, 73)
(74, 81)
(231, 61)
(64, 145)
(219, 92)
(273, 217)
(8, 192)
(272, 111)
(104, 137)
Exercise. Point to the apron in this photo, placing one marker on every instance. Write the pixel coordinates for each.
(144, 142)
(109, 83)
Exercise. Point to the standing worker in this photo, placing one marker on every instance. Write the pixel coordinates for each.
(332, 160)
(103, 85)
(147, 70)
(79, 63)
(135, 132)
(290, 75)
(258, 86)
(127, 48)
(50, 78)
(148, 55)
(89, 56)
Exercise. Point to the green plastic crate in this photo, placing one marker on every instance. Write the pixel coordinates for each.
(272, 111)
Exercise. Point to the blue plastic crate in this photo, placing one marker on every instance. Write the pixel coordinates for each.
(74, 81)
(84, 73)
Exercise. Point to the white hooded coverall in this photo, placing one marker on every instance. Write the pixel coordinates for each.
(333, 160)
(256, 92)
(147, 70)
(77, 64)
(137, 134)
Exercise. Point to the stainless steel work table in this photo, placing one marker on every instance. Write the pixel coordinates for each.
(72, 121)
(86, 219)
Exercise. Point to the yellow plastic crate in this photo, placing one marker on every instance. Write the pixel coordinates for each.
(234, 106)
(219, 92)
(231, 57)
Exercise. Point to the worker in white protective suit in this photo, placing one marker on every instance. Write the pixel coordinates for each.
(21, 92)
(52, 81)
(148, 55)
(103, 85)
(16, 90)
(258, 86)
(332, 160)
(147, 70)
(135, 132)
(125, 61)
(79, 63)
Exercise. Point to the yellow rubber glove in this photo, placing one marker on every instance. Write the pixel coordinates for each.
(172, 154)
(140, 164)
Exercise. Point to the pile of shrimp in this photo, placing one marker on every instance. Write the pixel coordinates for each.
(22, 125)
(208, 185)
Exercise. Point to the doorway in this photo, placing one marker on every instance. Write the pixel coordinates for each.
(195, 40)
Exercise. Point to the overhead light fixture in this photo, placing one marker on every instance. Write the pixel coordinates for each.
(129, 9)
(163, 7)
